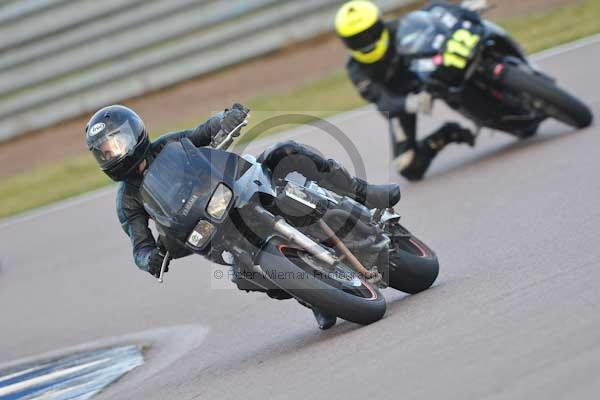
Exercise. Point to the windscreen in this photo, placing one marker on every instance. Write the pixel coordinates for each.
(419, 33)
(169, 182)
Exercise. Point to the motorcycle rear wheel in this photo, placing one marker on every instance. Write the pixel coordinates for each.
(341, 292)
(556, 102)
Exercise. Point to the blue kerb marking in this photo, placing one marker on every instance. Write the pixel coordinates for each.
(75, 377)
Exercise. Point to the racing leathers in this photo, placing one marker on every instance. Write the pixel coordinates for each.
(395, 90)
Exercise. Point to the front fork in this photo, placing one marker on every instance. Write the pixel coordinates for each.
(298, 238)
(293, 235)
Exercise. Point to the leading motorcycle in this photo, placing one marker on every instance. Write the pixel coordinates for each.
(323, 249)
(479, 70)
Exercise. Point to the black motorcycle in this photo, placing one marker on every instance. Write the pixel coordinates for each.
(325, 250)
(478, 70)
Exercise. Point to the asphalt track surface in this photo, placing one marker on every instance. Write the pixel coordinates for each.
(513, 315)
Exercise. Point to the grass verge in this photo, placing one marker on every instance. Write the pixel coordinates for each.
(332, 94)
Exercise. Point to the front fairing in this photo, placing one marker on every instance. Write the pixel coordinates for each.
(501, 40)
(421, 38)
(256, 179)
(442, 43)
(180, 183)
(420, 34)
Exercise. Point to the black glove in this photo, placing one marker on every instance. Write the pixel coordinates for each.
(233, 117)
(155, 260)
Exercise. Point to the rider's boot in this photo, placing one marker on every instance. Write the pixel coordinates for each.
(413, 163)
(324, 319)
(338, 179)
(450, 132)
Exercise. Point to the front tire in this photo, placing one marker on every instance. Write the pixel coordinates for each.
(413, 266)
(292, 269)
(556, 102)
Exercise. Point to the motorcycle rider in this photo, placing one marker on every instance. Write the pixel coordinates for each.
(381, 77)
(119, 141)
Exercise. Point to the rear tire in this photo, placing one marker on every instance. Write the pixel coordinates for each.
(557, 102)
(284, 266)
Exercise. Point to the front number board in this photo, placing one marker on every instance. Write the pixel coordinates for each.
(459, 48)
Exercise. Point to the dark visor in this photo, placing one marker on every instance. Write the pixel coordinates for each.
(365, 41)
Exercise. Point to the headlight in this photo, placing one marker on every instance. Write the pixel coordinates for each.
(219, 201)
(201, 234)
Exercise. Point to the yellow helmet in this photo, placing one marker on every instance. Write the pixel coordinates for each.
(360, 25)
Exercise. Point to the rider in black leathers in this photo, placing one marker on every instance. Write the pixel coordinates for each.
(382, 78)
(119, 141)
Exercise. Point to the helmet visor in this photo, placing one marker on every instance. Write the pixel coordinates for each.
(377, 52)
(365, 41)
(111, 147)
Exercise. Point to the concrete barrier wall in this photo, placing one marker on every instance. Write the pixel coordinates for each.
(123, 21)
(144, 48)
(13, 11)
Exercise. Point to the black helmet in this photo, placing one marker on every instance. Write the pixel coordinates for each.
(118, 139)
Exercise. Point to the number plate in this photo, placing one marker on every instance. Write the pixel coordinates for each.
(459, 48)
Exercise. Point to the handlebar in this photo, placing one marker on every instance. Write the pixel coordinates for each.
(223, 140)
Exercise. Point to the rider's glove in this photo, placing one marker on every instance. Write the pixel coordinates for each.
(154, 262)
(233, 117)
(418, 102)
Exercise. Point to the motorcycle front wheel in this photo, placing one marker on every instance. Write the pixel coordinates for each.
(547, 97)
(413, 266)
(339, 291)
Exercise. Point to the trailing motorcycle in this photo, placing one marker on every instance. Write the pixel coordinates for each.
(480, 71)
(326, 250)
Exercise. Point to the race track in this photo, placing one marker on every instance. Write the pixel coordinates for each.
(513, 315)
